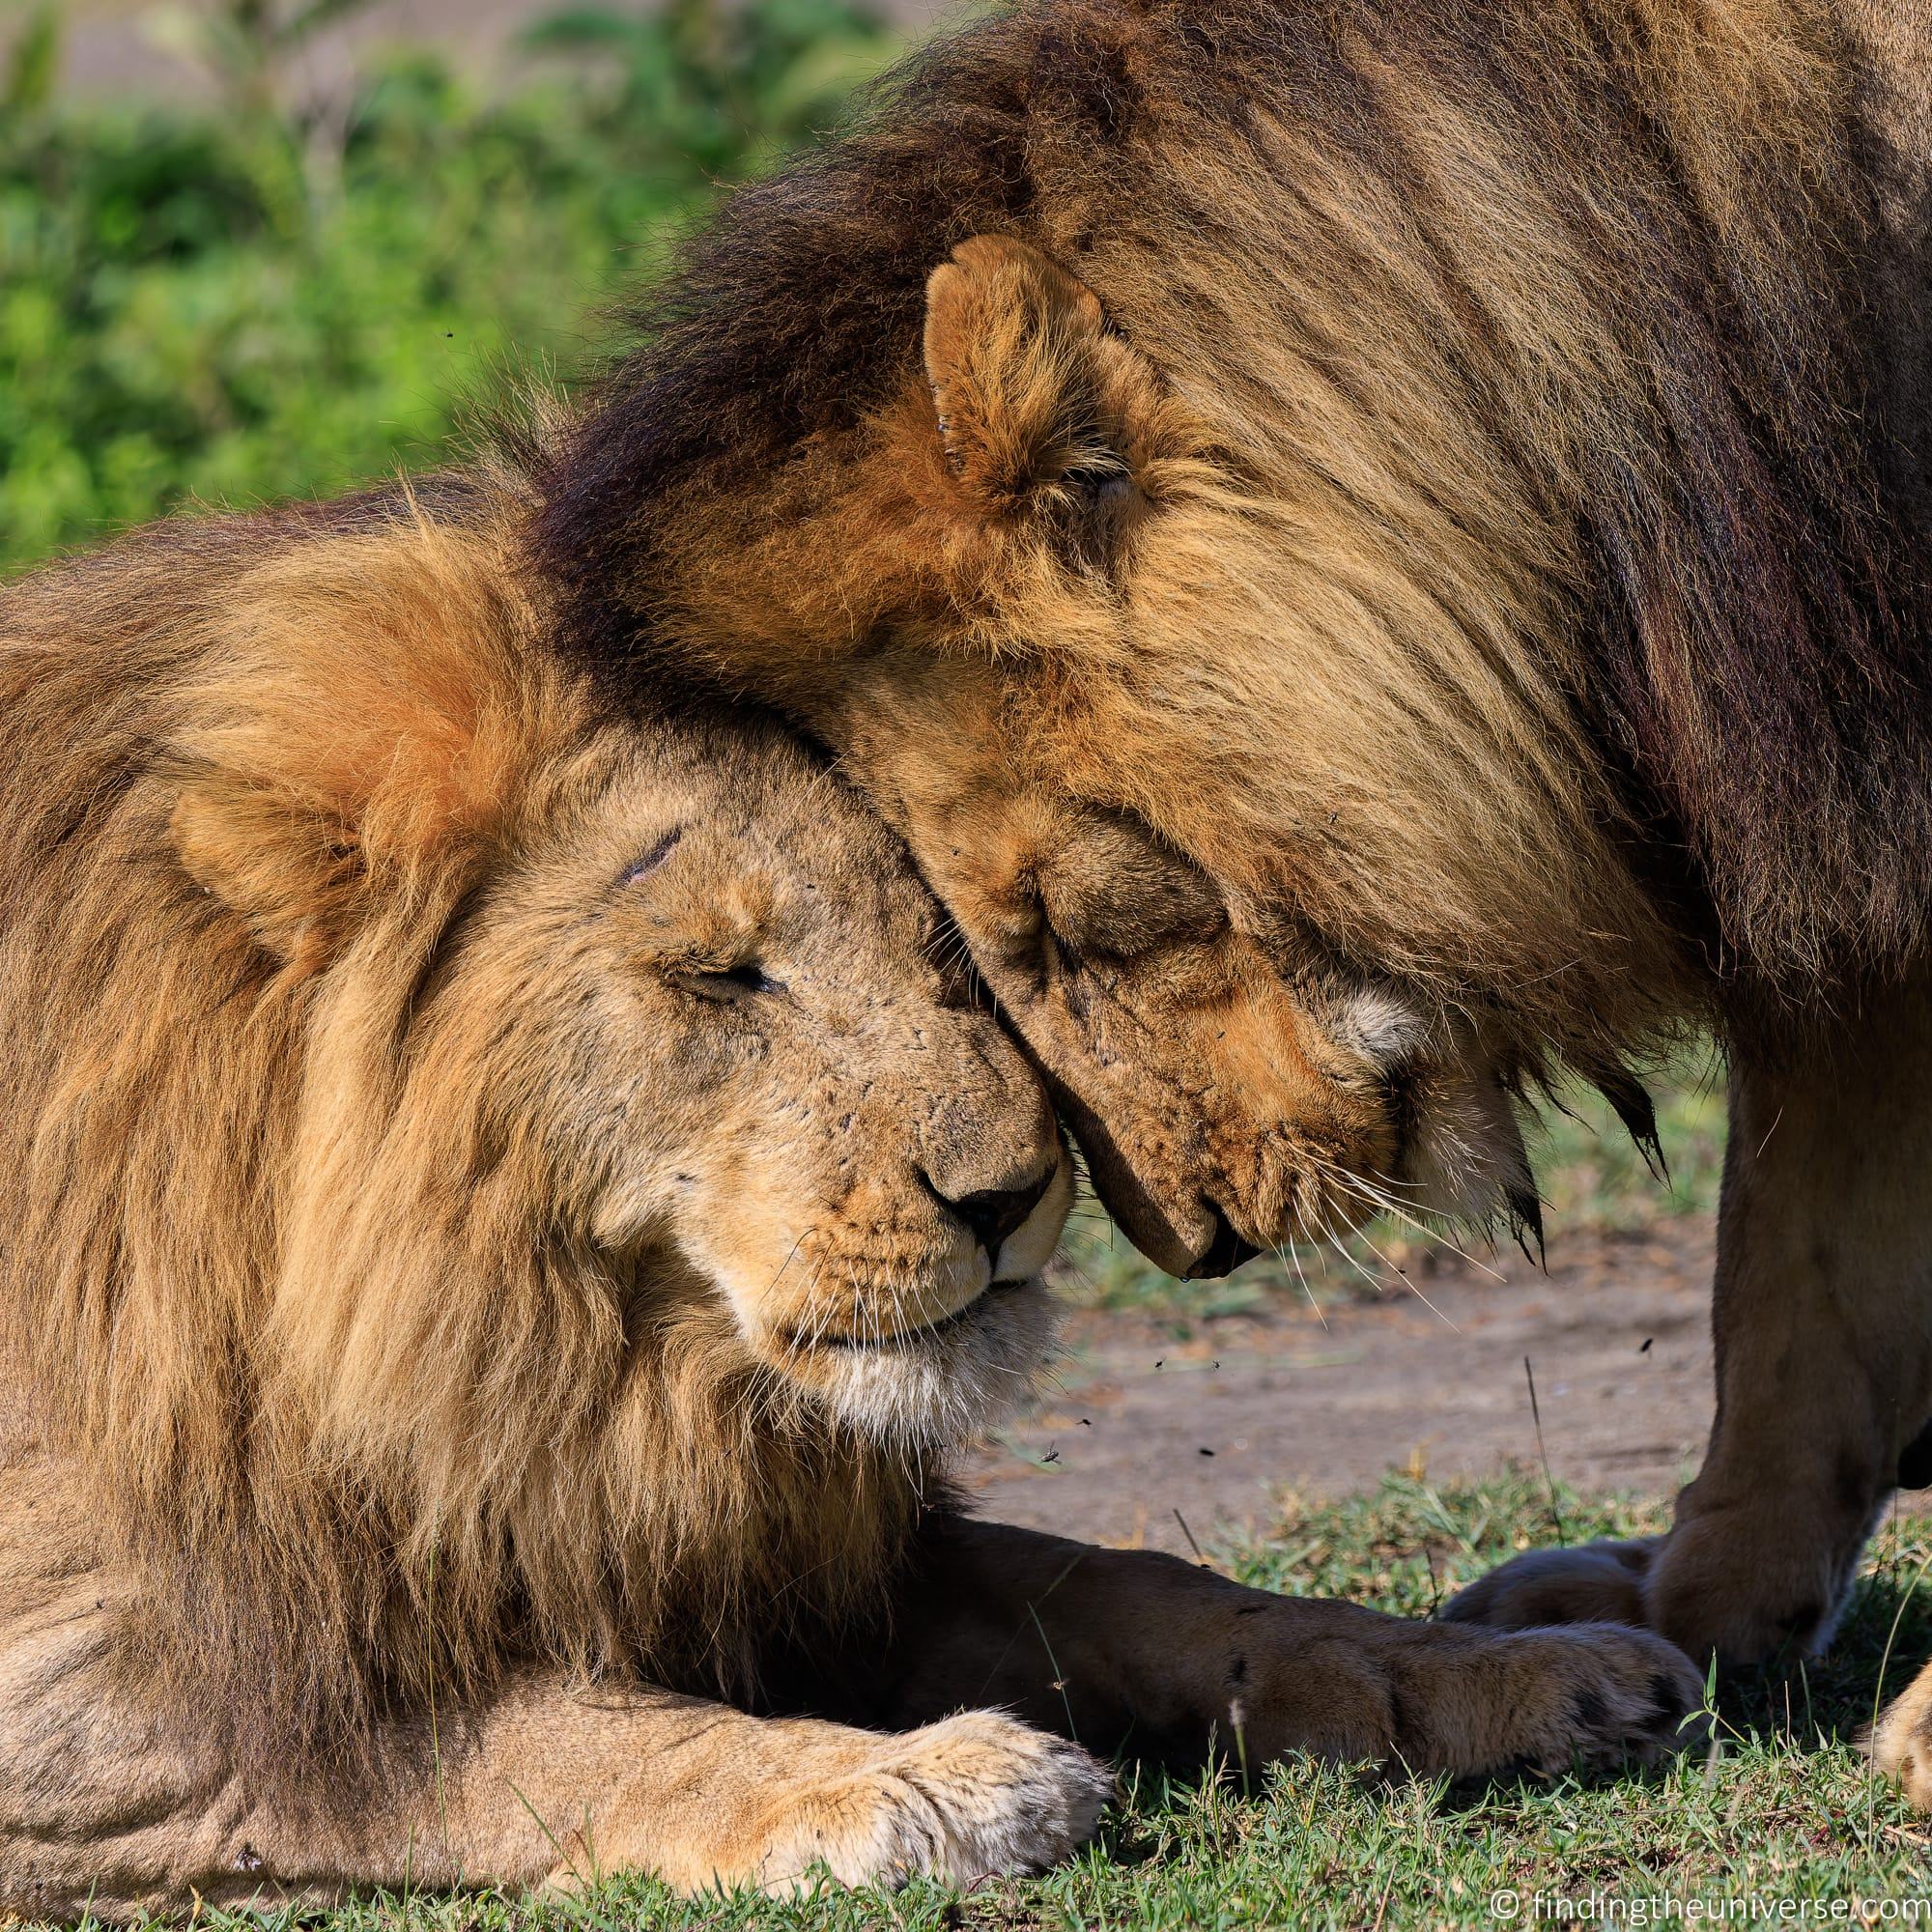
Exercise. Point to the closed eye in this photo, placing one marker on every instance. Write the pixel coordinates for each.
(726, 983)
(642, 868)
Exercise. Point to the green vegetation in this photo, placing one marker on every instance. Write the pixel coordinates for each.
(1784, 1810)
(230, 301)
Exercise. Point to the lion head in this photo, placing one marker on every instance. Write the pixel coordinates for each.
(1267, 504)
(485, 1173)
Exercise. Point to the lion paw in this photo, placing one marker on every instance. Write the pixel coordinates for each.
(1724, 1583)
(1902, 1741)
(1592, 1699)
(1597, 1583)
(976, 1795)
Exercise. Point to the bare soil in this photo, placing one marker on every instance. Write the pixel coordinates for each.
(1160, 1423)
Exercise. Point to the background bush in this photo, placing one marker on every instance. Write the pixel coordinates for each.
(230, 300)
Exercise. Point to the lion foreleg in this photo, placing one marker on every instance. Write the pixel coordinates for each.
(1823, 1326)
(1129, 1649)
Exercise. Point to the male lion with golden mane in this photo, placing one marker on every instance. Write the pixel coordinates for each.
(1375, 551)
(506, 1218)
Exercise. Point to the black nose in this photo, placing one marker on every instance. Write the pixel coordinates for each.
(994, 1213)
(1224, 1254)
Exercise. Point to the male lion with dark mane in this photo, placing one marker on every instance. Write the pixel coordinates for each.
(506, 1216)
(1375, 551)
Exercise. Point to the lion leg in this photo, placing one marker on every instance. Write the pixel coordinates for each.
(542, 1787)
(105, 1806)
(1823, 1326)
(1137, 1651)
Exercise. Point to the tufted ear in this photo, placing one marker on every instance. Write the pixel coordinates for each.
(365, 714)
(1037, 403)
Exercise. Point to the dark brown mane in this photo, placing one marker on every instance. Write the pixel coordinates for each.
(1757, 672)
(797, 308)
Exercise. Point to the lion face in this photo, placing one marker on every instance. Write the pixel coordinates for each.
(654, 1002)
(708, 992)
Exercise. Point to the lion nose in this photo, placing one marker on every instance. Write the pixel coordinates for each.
(994, 1213)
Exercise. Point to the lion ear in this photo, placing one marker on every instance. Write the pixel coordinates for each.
(1033, 395)
(291, 882)
(363, 720)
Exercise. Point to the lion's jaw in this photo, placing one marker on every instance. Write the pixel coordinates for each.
(1228, 1104)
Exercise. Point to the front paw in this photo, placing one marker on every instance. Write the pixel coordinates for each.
(1902, 1741)
(971, 1796)
(1597, 1583)
(1456, 1699)
(1589, 1698)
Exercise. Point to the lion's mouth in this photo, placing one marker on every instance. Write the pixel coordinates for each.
(914, 1337)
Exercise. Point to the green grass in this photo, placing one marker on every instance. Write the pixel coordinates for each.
(1591, 1176)
(1784, 1809)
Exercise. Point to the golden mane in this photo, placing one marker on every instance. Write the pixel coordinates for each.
(279, 1277)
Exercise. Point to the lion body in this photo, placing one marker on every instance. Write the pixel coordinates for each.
(181, 1152)
(346, 1419)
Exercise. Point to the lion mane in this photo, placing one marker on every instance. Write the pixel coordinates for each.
(1568, 309)
(221, 1132)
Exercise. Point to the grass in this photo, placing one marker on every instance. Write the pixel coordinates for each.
(1785, 1809)
(1590, 1175)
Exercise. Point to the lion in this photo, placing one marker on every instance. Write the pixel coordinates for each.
(1375, 554)
(511, 1210)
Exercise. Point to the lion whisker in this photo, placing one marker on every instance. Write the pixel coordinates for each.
(1402, 1274)
(1291, 1253)
(1381, 1201)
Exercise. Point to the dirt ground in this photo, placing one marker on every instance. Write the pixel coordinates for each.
(1153, 1427)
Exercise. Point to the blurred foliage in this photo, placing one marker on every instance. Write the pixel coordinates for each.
(232, 299)
(719, 85)
(244, 45)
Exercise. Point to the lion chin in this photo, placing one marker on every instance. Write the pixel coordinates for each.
(930, 1353)
(938, 1384)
